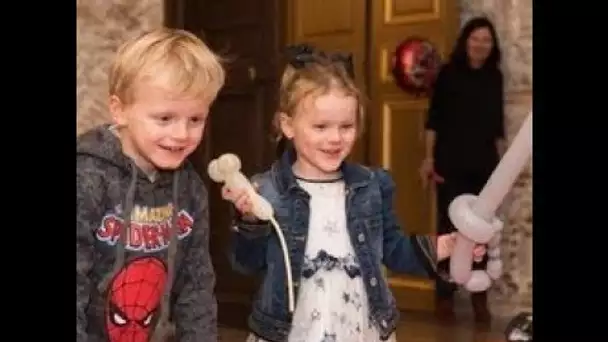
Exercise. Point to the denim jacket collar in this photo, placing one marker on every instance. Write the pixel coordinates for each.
(355, 176)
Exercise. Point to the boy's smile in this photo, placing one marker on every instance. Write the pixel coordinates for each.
(159, 131)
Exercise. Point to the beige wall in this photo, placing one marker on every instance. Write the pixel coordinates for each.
(101, 26)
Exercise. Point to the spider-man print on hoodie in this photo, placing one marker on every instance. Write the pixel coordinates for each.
(143, 269)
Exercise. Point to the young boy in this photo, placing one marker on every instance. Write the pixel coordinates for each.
(143, 270)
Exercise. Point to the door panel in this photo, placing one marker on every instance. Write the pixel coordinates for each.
(397, 121)
(334, 26)
(248, 34)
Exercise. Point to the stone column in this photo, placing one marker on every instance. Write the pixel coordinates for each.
(102, 25)
(513, 21)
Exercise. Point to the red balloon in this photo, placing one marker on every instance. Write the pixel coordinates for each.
(415, 66)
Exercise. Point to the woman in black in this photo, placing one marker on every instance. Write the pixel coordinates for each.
(464, 132)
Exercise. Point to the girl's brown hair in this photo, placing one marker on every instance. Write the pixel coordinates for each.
(313, 73)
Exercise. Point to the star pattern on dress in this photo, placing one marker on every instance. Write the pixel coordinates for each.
(330, 228)
(327, 337)
(320, 283)
(355, 300)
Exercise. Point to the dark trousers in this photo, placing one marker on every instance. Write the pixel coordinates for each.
(455, 185)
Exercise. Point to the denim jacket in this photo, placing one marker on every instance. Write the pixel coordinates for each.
(374, 233)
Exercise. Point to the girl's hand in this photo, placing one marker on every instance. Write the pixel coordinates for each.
(445, 246)
(479, 252)
(240, 199)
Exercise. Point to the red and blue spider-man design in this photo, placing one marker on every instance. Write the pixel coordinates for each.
(133, 300)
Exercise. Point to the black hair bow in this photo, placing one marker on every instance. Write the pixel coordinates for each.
(301, 54)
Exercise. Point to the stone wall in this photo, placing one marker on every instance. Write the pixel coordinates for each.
(102, 25)
(513, 21)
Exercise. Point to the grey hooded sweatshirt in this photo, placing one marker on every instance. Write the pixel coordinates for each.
(143, 269)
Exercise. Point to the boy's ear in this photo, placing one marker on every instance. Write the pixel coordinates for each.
(286, 124)
(117, 110)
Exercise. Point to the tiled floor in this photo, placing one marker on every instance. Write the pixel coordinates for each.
(417, 327)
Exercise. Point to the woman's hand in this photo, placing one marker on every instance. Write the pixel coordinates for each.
(428, 173)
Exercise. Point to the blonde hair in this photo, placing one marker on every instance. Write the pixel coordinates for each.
(315, 78)
(174, 59)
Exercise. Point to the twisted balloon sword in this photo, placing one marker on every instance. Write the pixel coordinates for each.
(474, 216)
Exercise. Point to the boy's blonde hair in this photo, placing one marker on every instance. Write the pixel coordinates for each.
(174, 59)
(317, 77)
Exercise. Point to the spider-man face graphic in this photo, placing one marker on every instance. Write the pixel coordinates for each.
(133, 300)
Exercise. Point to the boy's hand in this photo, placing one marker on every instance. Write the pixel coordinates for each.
(240, 199)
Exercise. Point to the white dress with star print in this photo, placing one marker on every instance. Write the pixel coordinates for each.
(332, 303)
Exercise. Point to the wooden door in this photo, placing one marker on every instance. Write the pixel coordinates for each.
(248, 33)
(334, 26)
(397, 119)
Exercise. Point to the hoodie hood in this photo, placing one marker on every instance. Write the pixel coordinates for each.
(103, 144)
(105, 147)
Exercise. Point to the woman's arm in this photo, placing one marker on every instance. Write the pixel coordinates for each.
(430, 136)
(499, 117)
(435, 113)
(436, 109)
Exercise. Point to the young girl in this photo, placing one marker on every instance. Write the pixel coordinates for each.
(337, 218)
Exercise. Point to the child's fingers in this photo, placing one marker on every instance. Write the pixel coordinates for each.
(479, 251)
(445, 245)
(231, 194)
(243, 204)
(240, 199)
(239, 202)
(227, 193)
(450, 243)
(247, 205)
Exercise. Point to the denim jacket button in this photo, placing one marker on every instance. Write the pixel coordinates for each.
(361, 237)
(373, 282)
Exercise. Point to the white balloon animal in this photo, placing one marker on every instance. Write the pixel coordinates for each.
(227, 169)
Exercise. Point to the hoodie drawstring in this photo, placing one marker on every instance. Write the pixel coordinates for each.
(164, 328)
(122, 237)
